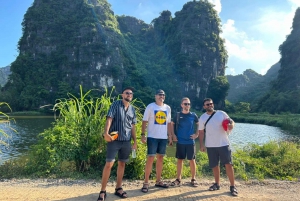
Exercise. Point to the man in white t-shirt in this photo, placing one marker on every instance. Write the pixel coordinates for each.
(216, 143)
(157, 120)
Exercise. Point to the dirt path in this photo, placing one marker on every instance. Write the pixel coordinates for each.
(82, 190)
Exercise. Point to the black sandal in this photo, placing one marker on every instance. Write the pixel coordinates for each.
(161, 184)
(233, 191)
(100, 198)
(121, 195)
(145, 188)
(214, 187)
(177, 182)
(194, 183)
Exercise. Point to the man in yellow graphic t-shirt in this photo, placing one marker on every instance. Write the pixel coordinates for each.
(157, 120)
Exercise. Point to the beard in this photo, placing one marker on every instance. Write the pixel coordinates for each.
(210, 109)
(127, 99)
(185, 109)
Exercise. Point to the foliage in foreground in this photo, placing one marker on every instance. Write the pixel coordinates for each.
(74, 148)
(271, 160)
(278, 160)
(5, 125)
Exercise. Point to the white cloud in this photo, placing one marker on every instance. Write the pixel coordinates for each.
(217, 3)
(258, 47)
(295, 3)
(240, 45)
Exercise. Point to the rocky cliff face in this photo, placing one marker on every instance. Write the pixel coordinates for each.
(4, 73)
(70, 43)
(284, 95)
(251, 86)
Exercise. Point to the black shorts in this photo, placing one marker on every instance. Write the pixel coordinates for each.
(219, 154)
(184, 151)
(123, 148)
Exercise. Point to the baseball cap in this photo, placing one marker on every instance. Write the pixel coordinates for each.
(126, 88)
(160, 91)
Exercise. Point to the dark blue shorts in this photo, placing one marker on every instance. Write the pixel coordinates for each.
(184, 151)
(156, 146)
(219, 154)
(123, 148)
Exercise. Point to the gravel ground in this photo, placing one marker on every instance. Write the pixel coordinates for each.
(86, 190)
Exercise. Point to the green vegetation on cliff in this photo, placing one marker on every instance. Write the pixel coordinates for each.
(70, 43)
(284, 95)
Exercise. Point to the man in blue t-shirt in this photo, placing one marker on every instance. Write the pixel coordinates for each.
(185, 148)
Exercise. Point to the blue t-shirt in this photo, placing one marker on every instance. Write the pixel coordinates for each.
(185, 127)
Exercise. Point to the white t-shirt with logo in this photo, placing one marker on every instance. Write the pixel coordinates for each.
(215, 135)
(158, 118)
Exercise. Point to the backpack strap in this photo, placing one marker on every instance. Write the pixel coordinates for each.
(209, 119)
(177, 122)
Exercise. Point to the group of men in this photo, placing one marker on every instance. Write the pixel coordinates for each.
(161, 130)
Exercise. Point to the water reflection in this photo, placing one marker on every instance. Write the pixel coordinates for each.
(244, 134)
(28, 129)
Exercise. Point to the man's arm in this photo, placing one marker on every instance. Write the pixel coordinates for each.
(107, 137)
(170, 133)
(133, 135)
(144, 126)
(201, 140)
(231, 125)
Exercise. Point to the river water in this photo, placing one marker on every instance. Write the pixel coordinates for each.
(29, 127)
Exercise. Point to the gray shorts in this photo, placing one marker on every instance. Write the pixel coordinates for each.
(219, 154)
(184, 151)
(123, 148)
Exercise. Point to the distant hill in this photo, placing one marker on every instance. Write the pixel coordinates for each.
(4, 73)
(70, 43)
(250, 86)
(284, 94)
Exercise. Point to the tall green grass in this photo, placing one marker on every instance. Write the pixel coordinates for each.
(74, 147)
(5, 120)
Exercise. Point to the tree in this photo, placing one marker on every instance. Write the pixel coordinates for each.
(218, 90)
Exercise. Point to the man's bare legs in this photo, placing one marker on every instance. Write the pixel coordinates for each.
(159, 166)
(230, 173)
(105, 176)
(148, 168)
(120, 174)
(216, 172)
(179, 168)
(193, 168)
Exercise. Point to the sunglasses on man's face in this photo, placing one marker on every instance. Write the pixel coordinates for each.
(208, 104)
(186, 104)
(128, 93)
(161, 94)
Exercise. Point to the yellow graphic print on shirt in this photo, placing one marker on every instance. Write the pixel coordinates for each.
(160, 117)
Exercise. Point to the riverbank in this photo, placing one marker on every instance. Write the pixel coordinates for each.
(86, 190)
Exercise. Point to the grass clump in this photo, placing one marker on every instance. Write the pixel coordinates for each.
(278, 160)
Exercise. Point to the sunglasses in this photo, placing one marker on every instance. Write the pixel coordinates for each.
(208, 104)
(186, 104)
(128, 93)
(161, 94)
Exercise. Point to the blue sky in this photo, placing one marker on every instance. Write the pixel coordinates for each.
(253, 29)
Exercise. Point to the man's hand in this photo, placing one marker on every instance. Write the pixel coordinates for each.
(230, 127)
(174, 138)
(194, 136)
(107, 137)
(202, 149)
(143, 139)
(170, 142)
(134, 146)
